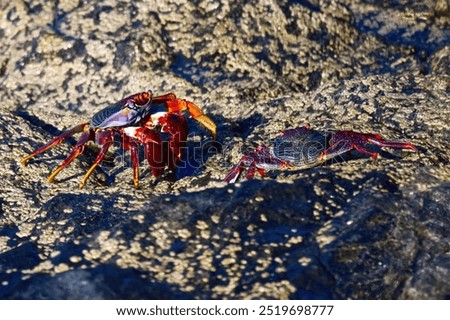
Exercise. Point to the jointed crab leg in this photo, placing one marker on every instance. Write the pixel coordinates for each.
(76, 151)
(246, 161)
(195, 112)
(379, 141)
(235, 172)
(343, 141)
(131, 144)
(252, 171)
(257, 161)
(56, 141)
(134, 151)
(152, 147)
(106, 140)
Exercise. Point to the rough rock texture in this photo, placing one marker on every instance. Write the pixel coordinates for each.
(353, 229)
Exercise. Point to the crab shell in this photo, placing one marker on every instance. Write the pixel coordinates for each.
(301, 147)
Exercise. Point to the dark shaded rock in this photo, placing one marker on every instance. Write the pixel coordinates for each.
(103, 282)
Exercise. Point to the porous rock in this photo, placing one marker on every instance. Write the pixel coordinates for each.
(358, 229)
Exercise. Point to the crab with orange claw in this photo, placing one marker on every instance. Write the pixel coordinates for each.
(139, 119)
(303, 147)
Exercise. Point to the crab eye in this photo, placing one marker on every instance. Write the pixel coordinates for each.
(131, 105)
(142, 99)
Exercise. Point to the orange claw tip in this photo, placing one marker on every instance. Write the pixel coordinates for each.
(52, 176)
(206, 122)
(24, 160)
(50, 179)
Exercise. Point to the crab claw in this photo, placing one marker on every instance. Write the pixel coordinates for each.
(343, 141)
(259, 160)
(153, 150)
(176, 105)
(176, 125)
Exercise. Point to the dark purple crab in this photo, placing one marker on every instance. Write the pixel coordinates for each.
(303, 148)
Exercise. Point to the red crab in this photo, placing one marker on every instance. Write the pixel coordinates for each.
(303, 148)
(138, 119)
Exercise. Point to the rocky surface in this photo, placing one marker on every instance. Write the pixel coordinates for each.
(356, 229)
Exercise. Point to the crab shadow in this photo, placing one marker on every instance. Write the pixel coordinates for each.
(244, 127)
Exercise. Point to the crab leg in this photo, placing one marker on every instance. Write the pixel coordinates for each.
(251, 170)
(379, 141)
(176, 125)
(362, 150)
(176, 105)
(257, 161)
(130, 144)
(134, 151)
(56, 141)
(343, 141)
(105, 138)
(235, 172)
(76, 151)
(152, 147)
